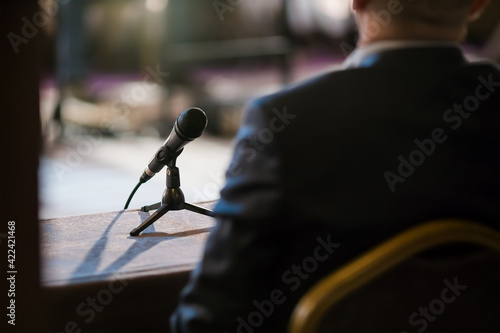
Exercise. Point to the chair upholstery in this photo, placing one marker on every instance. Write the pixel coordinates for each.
(440, 276)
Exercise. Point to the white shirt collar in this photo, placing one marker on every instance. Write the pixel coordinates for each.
(356, 57)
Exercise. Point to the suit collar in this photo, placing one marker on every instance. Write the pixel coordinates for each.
(393, 53)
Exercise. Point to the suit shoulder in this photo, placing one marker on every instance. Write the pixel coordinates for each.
(484, 65)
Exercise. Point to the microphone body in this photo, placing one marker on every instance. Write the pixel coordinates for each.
(188, 126)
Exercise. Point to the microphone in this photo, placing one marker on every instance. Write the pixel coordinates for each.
(189, 125)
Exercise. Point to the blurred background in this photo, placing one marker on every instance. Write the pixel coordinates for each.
(117, 73)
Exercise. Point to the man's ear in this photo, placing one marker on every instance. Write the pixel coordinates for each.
(359, 4)
(477, 9)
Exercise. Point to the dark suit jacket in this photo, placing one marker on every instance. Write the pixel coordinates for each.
(324, 170)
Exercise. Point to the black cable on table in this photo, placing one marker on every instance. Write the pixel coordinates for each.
(132, 194)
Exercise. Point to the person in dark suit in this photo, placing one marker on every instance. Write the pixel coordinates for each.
(407, 131)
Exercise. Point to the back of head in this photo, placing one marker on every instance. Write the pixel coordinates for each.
(420, 19)
(441, 13)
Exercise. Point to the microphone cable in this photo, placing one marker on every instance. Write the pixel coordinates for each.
(132, 194)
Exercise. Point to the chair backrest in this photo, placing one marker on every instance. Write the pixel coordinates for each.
(419, 290)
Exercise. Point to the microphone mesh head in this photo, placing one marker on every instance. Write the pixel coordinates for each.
(191, 123)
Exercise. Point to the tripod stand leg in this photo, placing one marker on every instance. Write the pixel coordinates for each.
(151, 207)
(197, 209)
(152, 219)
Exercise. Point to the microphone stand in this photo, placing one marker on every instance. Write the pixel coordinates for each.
(173, 199)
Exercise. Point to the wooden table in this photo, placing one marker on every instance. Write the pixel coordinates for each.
(100, 279)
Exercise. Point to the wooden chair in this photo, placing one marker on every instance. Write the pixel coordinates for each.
(363, 280)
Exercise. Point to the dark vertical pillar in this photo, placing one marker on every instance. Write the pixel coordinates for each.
(19, 153)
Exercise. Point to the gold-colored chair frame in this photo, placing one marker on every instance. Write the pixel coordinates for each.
(331, 289)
